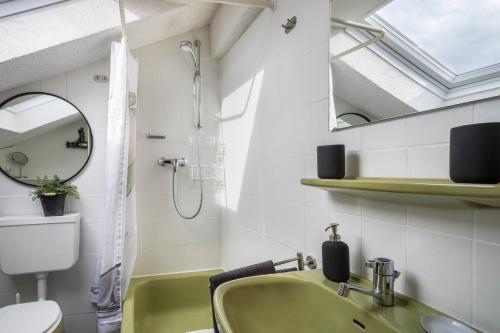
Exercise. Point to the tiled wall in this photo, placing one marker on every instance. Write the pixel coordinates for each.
(168, 243)
(71, 288)
(449, 258)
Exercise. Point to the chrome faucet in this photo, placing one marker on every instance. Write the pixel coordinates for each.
(384, 275)
(175, 162)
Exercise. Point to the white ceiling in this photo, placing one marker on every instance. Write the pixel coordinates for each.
(355, 10)
(69, 35)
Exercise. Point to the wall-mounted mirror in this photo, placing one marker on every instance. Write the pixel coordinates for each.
(42, 134)
(390, 58)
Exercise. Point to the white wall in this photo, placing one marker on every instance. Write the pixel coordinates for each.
(48, 155)
(448, 257)
(69, 288)
(167, 242)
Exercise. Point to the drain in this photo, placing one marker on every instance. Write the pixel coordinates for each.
(359, 324)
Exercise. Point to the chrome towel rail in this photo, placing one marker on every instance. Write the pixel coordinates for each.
(310, 261)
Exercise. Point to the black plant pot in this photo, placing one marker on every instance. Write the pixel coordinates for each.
(53, 205)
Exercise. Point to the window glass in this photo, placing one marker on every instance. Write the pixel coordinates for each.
(462, 35)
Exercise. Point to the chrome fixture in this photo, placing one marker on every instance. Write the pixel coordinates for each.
(290, 24)
(384, 276)
(100, 78)
(155, 136)
(175, 162)
(195, 50)
(310, 261)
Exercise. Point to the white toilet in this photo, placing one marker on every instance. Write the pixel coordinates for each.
(37, 245)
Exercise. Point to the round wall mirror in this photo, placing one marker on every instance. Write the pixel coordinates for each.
(42, 135)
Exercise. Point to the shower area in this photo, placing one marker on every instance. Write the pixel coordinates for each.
(180, 173)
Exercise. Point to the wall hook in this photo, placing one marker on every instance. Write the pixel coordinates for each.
(290, 24)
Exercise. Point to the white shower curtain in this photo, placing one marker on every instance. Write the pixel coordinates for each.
(119, 231)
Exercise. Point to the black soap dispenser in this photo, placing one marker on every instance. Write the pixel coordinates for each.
(335, 257)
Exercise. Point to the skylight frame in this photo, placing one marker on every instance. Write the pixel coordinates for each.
(13, 7)
(410, 52)
(29, 104)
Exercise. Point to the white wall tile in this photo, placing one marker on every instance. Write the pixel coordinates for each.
(487, 111)
(281, 179)
(383, 163)
(344, 203)
(180, 258)
(434, 127)
(314, 74)
(284, 223)
(389, 134)
(316, 126)
(350, 137)
(488, 225)
(313, 196)
(429, 162)
(84, 269)
(91, 206)
(457, 222)
(289, 141)
(487, 275)
(384, 211)
(439, 272)
(249, 212)
(19, 205)
(89, 237)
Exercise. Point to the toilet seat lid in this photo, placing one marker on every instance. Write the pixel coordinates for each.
(33, 317)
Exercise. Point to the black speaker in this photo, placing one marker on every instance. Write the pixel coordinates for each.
(331, 161)
(475, 153)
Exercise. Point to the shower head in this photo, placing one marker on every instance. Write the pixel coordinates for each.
(187, 46)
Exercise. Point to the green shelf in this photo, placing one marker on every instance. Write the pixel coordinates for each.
(428, 191)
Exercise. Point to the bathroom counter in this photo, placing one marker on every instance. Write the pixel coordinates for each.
(428, 191)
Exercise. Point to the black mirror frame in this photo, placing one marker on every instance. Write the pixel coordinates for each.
(91, 136)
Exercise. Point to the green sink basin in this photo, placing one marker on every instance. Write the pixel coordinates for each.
(289, 303)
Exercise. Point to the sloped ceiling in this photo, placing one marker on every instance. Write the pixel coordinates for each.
(63, 37)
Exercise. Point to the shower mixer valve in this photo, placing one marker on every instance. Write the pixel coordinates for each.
(175, 162)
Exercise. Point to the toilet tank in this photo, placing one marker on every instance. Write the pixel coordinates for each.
(32, 244)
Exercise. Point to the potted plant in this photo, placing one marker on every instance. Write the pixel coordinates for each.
(52, 194)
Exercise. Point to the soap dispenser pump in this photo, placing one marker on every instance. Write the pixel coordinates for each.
(335, 257)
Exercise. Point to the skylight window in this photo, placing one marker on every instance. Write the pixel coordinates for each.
(30, 103)
(11, 7)
(461, 35)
